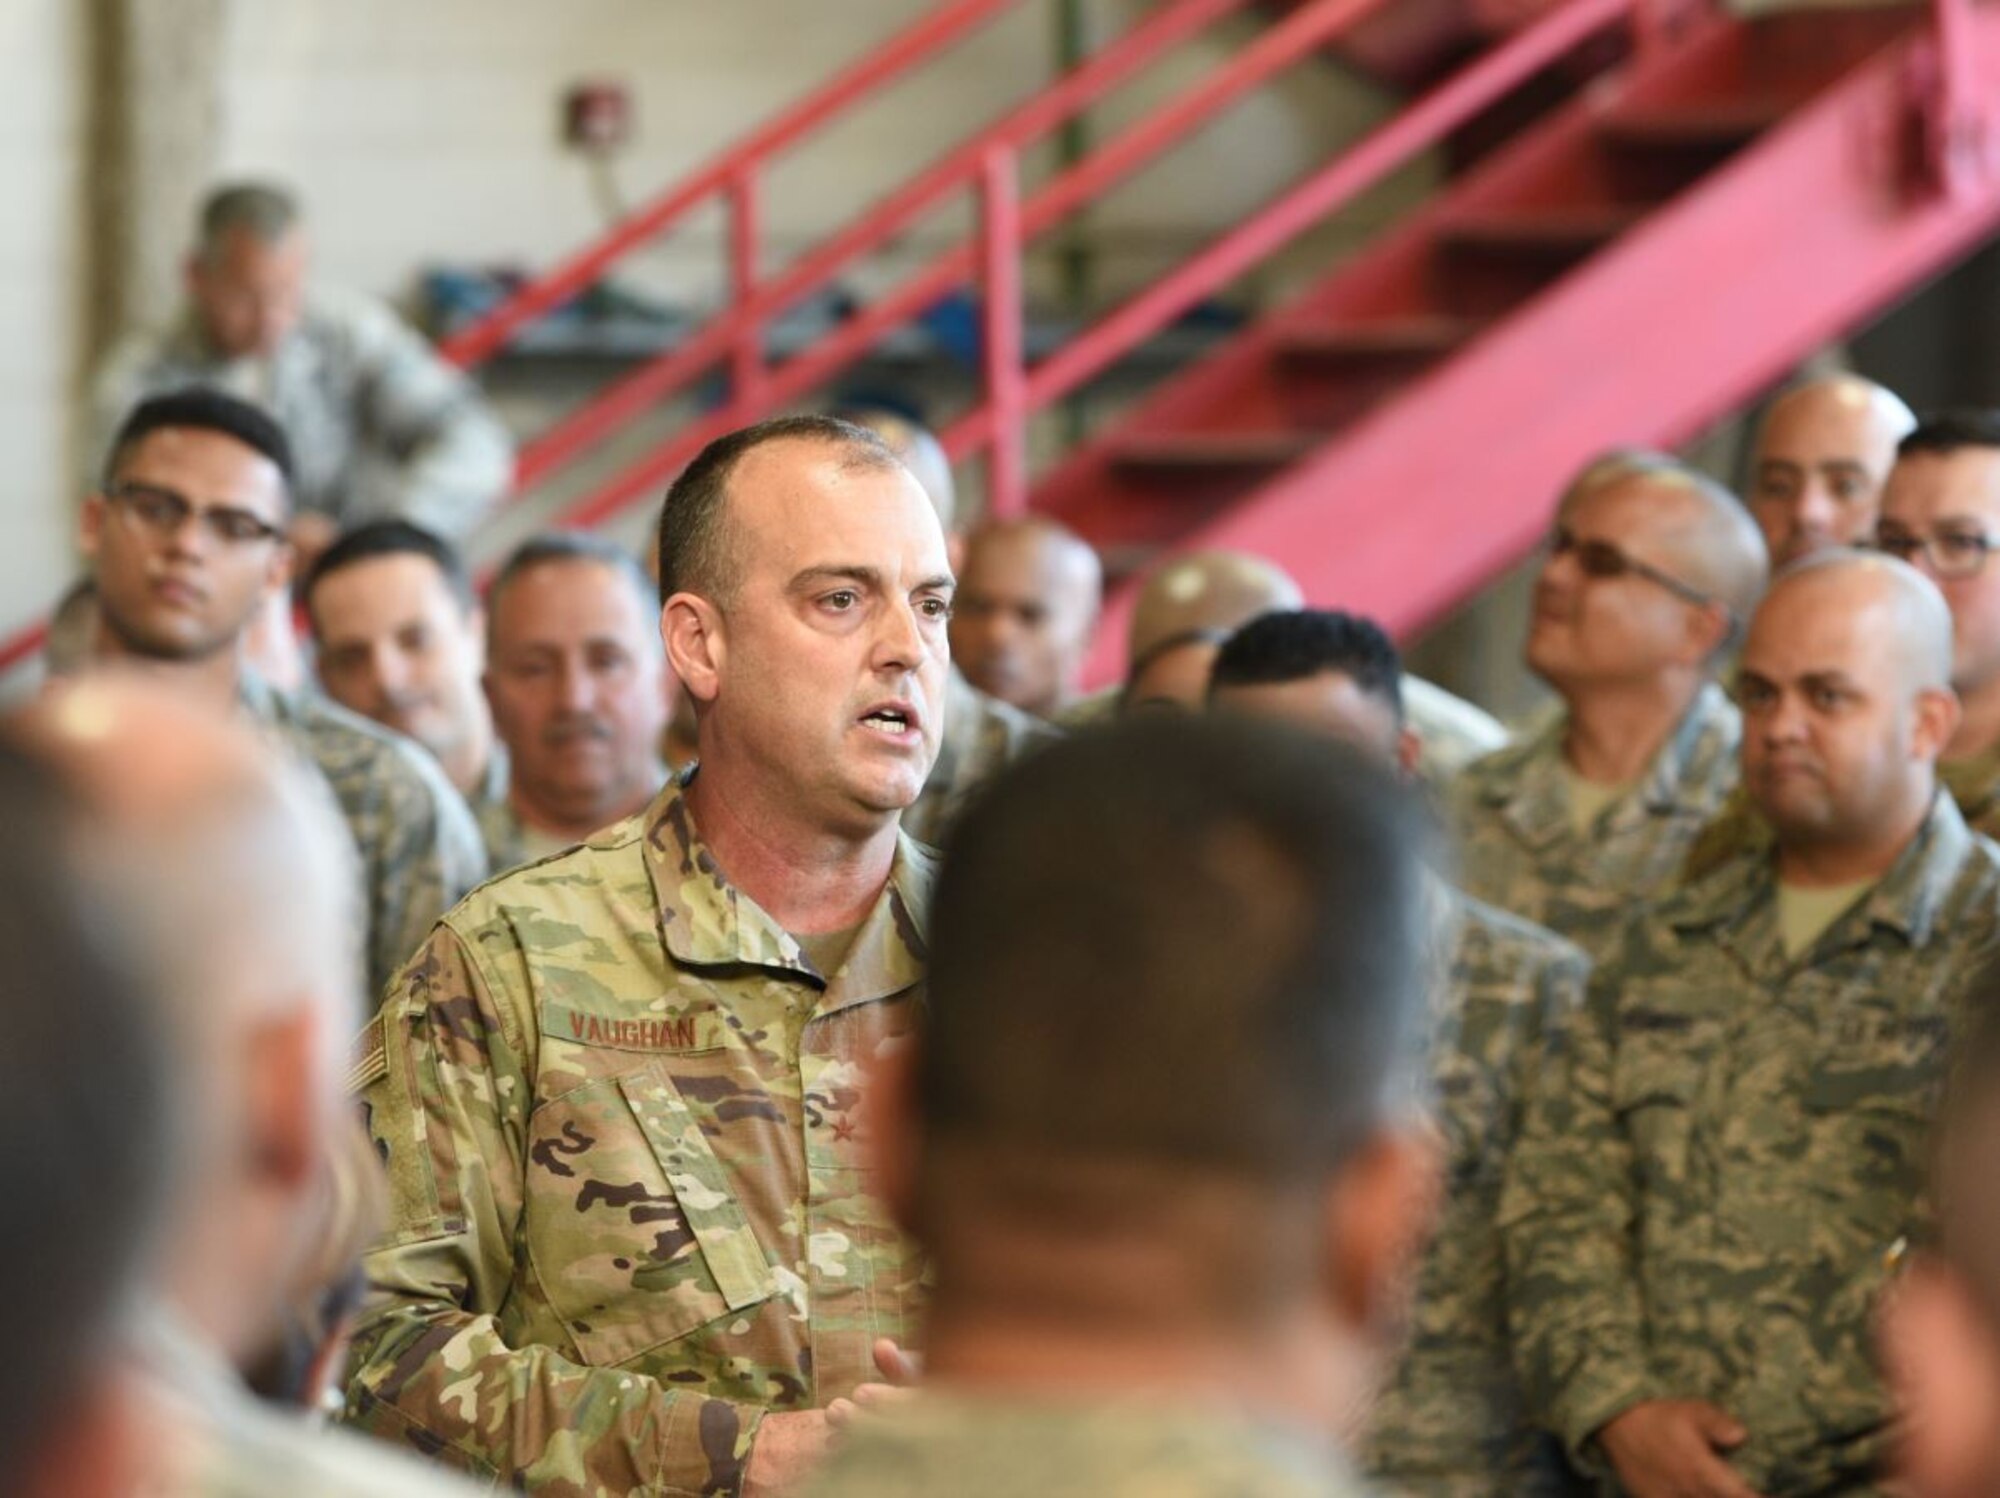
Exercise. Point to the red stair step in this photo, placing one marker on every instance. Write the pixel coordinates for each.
(1208, 453)
(1553, 235)
(1718, 125)
(1396, 342)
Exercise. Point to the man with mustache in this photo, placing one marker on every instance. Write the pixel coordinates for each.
(636, 1245)
(1718, 1167)
(1650, 568)
(580, 693)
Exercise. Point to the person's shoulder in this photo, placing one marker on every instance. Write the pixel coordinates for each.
(263, 1452)
(1501, 939)
(347, 743)
(566, 878)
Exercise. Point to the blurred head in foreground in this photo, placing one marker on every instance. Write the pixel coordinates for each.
(86, 1131)
(1159, 1149)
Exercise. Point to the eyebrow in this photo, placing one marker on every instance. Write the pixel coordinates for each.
(870, 576)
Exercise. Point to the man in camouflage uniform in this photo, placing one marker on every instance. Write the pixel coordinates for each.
(1720, 1166)
(1650, 568)
(379, 424)
(1152, 1134)
(634, 1247)
(982, 734)
(187, 535)
(1450, 1422)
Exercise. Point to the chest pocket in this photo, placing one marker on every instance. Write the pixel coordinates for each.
(1871, 1098)
(633, 1230)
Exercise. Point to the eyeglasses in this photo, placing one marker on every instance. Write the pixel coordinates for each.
(164, 512)
(1600, 559)
(1950, 554)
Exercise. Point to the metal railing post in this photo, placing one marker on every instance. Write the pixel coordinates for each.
(1001, 341)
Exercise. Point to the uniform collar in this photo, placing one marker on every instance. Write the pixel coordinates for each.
(1908, 900)
(1530, 790)
(706, 922)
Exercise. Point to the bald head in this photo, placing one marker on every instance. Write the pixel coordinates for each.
(236, 877)
(1823, 452)
(1713, 546)
(1209, 592)
(917, 450)
(1027, 601)
(1844, 686)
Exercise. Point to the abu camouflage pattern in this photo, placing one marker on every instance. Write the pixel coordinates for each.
(1450, 1421)
(1975, 785)
(944, 1444)
(420, 849)
(982, 736)
(1453, 731)
(631, 1212)
(1724, 1149)
(1517, 849)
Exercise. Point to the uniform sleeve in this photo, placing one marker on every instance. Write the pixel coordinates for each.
(449, 458)
(446, 1090)
(1567, 1212)
(430, 855)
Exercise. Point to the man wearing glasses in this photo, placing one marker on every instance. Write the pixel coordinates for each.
(1650, 568)
(188, 539)
(1941, 514)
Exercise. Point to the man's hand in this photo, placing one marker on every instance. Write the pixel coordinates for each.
(1670, 1448)
(788, 1446)
(897, 1366)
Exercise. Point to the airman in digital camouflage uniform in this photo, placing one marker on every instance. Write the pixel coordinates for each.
(187, 538)
(1651, 568)
(1450, 1421)
(635, 1245)
(1157, 1149)
(1721, 1165)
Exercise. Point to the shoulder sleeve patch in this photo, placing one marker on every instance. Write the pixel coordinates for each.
(371, 1057)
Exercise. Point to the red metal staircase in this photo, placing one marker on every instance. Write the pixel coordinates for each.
(1719, 200)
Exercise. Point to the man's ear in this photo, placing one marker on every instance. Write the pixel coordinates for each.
(1938, 715)
(691, 629)
(1378, 1213)
(287, 1139)
(1409, 752)
(1709, 628)
(890, 1134)
(90, 525)
(278, 575)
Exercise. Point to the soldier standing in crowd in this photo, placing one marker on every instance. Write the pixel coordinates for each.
(1822, 454)
(379, 424)
(1029, 594)
(1720, 1165)
(634, 1246)
(1156, 1136)
(188, 537)
(1450, 1421)
(1650, 570)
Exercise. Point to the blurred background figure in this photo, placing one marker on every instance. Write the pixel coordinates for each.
(88, 1130)
(227, 866)
(577, 680)
(1941, 1330)
(1155, 1150)
(982, 734)
(400, 638)
(1822, 454)
(380, 424)
(1028, 595)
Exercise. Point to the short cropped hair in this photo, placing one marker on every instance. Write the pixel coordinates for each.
(694, 547)
(1945, 432)
(262, 210)
(1226, 982)
(87, 1122)
(553, 547)
(393, 538)
(203, 409)
(1295, 644)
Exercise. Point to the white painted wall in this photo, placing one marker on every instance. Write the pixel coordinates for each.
(41, 217)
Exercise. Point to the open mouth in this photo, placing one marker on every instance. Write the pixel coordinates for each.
(890, 722)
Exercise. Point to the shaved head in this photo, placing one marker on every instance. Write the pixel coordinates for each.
(1823, 452)
(1210, 591)
(1916, 620)
(1028, 597)
(1714, 546)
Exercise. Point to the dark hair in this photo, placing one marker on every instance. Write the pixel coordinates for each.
(392, 538)
(552, 547)
(263, 211)
(1295, 644)
(694, 555)
(86, 1118)
(1946, 432)
(1189, 943)
(202, 409)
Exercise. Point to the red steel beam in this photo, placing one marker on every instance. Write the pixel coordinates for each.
(1001, 350)
(1387, 520)
(1421, 126)
(931, 34)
